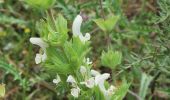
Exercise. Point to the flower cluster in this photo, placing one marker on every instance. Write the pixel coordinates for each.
(95, 79)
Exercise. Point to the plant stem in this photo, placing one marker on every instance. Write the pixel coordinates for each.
(102, 10)
(134, 94)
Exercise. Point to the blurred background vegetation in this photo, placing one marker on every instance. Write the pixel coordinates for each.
(142, 34)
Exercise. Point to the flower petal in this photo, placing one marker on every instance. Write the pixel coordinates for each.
(89, 83)
(100, 79)
(94, 73)
(77, 25)
(88, 61)
(71, 79)
(84, 38)
(83, 70)
(87, 36)
(57, 80)
(111, 90)
(75, 92)
(39, 42)
(38, 58)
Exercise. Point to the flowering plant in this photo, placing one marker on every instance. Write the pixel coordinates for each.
(65, 59)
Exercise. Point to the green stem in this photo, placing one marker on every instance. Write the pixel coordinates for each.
(102, 10)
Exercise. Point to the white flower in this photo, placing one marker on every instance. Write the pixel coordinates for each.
(57, 80)
(76, 29)
(100, 79)
(89, 83)
(39, 57)
(88, 61)
(39, 42)
(71, 80)
(111, 90)
(94, 73)
(75, 92)
(84, 38)
(83, 70)
(77, 25)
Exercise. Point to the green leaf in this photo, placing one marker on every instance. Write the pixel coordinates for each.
(41, 4)
(4, 19)
(15, 72)
(42, 27)
(61, 24)
(61, 27)
(53, 34)
(75, 51)
(108, 24)
(144, 84)
(66, 59)
(56, 61)
(10, 69)
(98, 95)
(120, 92)
(111, 59)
